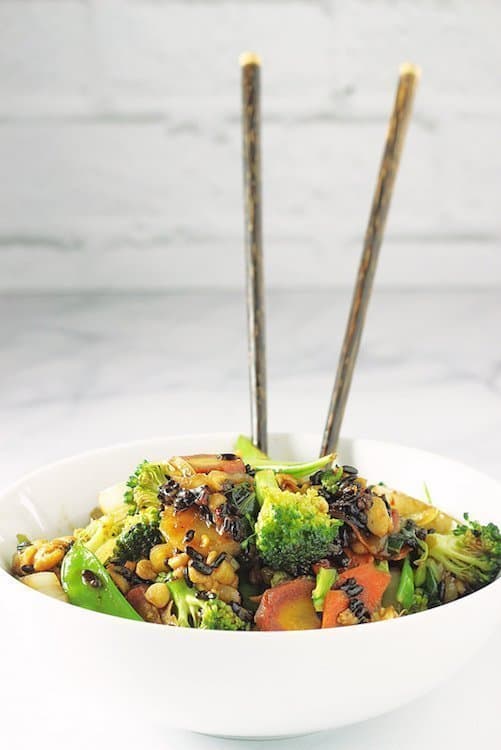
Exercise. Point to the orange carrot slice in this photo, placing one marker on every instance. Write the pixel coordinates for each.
(374, 582)
(288, 606)
(336, 601)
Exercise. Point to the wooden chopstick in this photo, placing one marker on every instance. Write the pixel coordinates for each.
(402, 108)
(251, 64)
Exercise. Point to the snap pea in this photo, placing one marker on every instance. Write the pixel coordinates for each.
(405, 590)
(248, 452)
(420, 575)
(260, 461)
(88, 584)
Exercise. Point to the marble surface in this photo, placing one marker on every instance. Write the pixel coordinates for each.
(82, 371)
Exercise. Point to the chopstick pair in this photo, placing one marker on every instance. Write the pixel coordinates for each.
(397, 128)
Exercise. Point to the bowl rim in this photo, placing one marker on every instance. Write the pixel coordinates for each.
(6, 578)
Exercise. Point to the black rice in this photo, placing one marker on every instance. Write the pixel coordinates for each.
(358, 608)
(241, 612)
(350, 469)
(171, 493)
(206, 514)
(201, 567)
(191, 552)
(91, 579)
(219, 559)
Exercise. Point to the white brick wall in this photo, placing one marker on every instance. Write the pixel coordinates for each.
(120, 141)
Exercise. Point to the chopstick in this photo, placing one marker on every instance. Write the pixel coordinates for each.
(402, 108)
(251, 64)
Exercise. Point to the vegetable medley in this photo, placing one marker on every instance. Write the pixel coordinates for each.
(239, 542)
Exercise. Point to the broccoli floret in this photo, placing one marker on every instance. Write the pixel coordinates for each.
(144, 484)
(329, 479)
(133, 534)
(420, 602)
(206, 614)
(293, 529)
(470, 552)
(102, 530)
(138, 536)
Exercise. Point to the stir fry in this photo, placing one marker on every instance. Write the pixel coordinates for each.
(238, 541)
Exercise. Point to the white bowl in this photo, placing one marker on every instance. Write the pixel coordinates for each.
(230, 684)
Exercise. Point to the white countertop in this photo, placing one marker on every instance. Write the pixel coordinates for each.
(82, 371)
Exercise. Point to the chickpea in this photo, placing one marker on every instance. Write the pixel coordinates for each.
(199, 578)
(211, 556)
(144, 570)
(178, 561)
(225, 575)
(158, 594)
(159, 555)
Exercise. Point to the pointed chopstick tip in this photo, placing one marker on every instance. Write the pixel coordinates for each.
(249, 58)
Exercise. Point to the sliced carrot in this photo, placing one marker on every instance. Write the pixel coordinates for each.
(374, 582)
(288, 606)
(336, 601)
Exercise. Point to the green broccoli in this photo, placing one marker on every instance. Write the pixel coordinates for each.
(139, 535)
(293, 529)
(144, 484)
(470, 552)
(420, 602)
(102, 532)
(326, 577)
(206, 614)
(330, 479)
